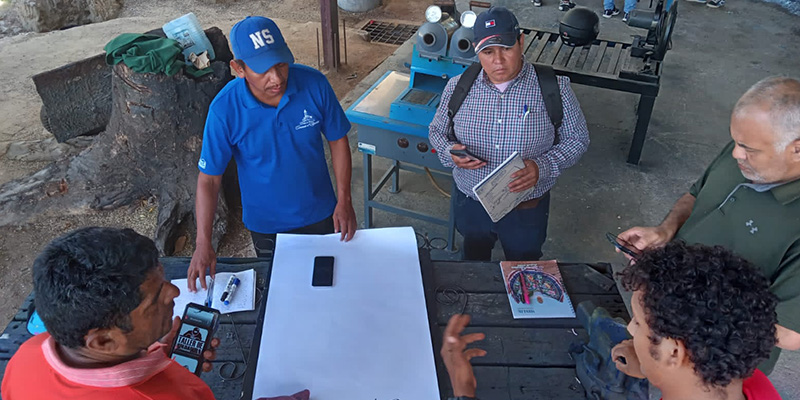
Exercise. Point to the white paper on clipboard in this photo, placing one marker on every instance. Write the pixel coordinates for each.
(493, 193)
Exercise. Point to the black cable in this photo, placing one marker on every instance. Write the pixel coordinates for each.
(430, 243)
(230, 376)
(451, 294)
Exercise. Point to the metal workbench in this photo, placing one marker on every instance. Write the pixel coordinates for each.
(605, 64)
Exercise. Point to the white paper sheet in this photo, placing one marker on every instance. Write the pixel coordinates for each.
(493, 192)
(365, 338)
(244, 299)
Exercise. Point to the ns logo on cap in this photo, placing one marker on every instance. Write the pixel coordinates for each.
(261, 38)
(489, 23)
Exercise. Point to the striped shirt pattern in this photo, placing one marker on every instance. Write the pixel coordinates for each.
(493, 124)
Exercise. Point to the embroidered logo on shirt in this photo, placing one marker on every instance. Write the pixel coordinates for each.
(753, 228)
(307, 121)
(202, 163)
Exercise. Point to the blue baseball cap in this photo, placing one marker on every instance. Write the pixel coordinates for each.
(259, 43)
(496, 26)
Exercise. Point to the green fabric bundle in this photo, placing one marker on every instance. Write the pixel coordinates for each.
(149, 54)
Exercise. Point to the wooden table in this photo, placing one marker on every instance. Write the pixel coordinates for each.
(527, 359)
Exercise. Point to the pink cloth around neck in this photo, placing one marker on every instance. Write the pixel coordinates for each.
(125, 374)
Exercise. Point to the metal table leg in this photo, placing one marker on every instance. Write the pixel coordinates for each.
(642, 121)
(367, 190)
(396, 178)
(451, 223)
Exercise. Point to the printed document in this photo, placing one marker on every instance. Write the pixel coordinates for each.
(493, 191)
(536, 290)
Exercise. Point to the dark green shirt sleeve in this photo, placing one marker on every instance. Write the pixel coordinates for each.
(785, 286)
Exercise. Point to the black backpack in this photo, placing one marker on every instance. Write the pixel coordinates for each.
(548, 83)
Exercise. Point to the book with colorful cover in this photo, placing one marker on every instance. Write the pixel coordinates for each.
(536, 290)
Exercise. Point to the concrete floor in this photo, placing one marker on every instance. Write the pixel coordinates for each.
(717, 54)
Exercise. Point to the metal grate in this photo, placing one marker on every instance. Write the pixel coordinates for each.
(386, 32)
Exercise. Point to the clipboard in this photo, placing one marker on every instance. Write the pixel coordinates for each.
(493, 193)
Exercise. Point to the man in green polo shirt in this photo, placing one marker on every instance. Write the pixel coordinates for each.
(748, 200)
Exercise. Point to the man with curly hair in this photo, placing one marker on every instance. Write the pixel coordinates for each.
(702, 320)
(748, 200)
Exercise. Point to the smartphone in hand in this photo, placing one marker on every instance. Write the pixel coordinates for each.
(464, 153)
(623, 246)
(198, 325)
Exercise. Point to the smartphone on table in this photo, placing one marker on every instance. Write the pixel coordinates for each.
(464, 153)
(198, 325)
(323, 271)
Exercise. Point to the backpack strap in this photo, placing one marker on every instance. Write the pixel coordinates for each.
(459, 94)
(548, 83)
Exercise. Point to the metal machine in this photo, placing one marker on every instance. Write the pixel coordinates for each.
(394, 114)
(659, 24)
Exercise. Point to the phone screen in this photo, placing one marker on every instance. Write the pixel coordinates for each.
(191, 340)
(323, 271)
(189, 363)
(197, 328)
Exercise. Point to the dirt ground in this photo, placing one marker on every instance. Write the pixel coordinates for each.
(23, 55)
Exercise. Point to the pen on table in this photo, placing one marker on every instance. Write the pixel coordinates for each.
(230, 289)
(210, 294)
(524, 287)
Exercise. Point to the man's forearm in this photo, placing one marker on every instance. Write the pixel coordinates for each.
(787, 338)
(205, 206)
(342, 167)
(679, 214)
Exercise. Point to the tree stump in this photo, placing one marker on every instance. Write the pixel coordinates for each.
(149, 148)
(50, 15)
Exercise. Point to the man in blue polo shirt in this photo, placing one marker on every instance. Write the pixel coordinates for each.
(270, 121)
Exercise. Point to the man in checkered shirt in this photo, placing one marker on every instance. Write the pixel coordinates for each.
(505, 112)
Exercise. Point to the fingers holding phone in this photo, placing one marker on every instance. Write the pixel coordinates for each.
(464, 159)
(194, 343)
(622, 246)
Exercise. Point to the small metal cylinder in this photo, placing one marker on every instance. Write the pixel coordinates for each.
(461, 44)
(642, 19)
(432, 38)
